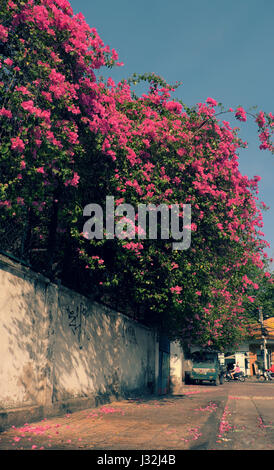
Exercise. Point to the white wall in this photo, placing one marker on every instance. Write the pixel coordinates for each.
(176, 366)
(56, 345)
(241, 356)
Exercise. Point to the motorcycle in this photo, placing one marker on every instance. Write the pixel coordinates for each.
(265, 376)
(238, 376)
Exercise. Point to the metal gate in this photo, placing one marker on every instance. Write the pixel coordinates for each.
(164, 365)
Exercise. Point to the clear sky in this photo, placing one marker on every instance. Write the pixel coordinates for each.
(216, 48)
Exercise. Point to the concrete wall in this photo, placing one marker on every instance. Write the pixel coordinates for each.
(56, 346)
(176, 367)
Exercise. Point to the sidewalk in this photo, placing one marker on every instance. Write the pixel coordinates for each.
(186, 421)
(162, 423)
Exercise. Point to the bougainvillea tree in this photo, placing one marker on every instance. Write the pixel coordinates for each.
(68, 139)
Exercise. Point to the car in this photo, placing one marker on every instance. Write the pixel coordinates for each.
(205, 368)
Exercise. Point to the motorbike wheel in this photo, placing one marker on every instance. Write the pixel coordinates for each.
(241, 378)
(262, 378)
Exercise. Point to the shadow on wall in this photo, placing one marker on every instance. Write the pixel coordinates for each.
(22, 339)
(109, 354)
(57, 346)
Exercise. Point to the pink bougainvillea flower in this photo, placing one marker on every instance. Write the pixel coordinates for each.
(40, 170)
(176, 289)
(174, 107)
(74, 181)
(212, 102)
(3, 33)
(6, 112)
(261, 119)
(17, 144)
(146, 149)
(8, 61)
(240, 114)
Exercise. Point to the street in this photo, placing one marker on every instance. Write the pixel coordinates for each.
(232, 416)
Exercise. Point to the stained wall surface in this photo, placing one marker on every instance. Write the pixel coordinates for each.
(56, 345)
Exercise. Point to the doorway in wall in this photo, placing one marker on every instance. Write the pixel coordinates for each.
(164, 365)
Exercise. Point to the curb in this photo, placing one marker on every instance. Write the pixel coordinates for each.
(19, 416)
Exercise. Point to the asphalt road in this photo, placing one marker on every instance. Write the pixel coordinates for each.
(232, 416)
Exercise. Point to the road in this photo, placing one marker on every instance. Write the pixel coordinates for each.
(232, 416)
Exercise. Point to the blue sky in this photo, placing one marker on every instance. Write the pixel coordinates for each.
(216, 48)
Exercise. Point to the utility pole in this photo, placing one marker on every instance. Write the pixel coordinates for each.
(261, 318)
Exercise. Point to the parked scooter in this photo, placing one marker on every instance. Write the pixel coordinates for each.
(265, 376)
(228, 377)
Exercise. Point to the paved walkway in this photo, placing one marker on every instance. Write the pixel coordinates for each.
(164, 423)
(233, 415)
